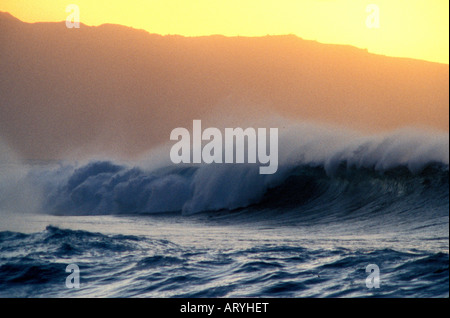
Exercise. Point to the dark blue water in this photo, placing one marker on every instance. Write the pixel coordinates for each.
(311, 233)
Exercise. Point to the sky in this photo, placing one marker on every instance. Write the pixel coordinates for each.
(405, 28)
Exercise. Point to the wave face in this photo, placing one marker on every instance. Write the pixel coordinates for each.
(103, 187)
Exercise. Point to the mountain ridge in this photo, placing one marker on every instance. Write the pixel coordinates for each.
(126, 89)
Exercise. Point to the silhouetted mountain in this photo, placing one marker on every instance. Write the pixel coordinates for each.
(126, 89)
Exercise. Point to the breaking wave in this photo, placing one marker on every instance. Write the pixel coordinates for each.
(318, 164)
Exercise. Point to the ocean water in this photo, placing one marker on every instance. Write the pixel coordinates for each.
(310, 230)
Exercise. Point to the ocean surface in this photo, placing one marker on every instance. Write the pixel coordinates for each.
(310, 230)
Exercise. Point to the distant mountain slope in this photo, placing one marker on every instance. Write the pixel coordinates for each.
(125, 89)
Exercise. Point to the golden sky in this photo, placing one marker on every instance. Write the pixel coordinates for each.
(407, 28)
